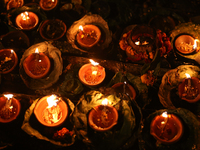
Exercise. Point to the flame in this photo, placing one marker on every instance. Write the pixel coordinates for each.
(37, 51)
(81, 27)
(187, 75)
(25, 15)
(52, 101)
(137, 43)
(105, 102)
(11, 51)
(93, 62)
(164, 114)
(195, 43)
(8, 96)
(52, 0)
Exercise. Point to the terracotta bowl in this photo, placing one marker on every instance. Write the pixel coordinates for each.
(16, 107)
(48, 4)
(195, 83)
(52, 29)
(9, 64)
(175, 131)
(92, 118)
(88, 43)
(40, 107)
(14, 4)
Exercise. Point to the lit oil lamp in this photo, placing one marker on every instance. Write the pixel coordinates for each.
(92, 74)
(51, 111)
(37, 65)
(9, 108)
(8, 60)
(189, 89)
(186, 44)
(48, 4)
(166, 128)
(14, 4)
(103, 117)
(27, 20)
(88, 36)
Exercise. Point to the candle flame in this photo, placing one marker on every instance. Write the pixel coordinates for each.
(195, 43)
(8, 96)
(187, 75)
(25, 15)
(137, 43)
(52, 0)
(37, 51)
(105, 102)
(11, 51)
(93, 62)
(164, 114)
(52, 101)
(81, 27)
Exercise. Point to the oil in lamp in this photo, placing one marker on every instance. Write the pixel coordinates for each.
(8, 60)
(48, 4)
(186, 44)
(88, 35)
(37, 65)
(103, 117)
(27, 20)
(189, 89)
(9, 108)
(92, 74)
(166, 128)
(51, 111)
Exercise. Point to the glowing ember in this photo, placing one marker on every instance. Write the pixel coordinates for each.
(52, 113)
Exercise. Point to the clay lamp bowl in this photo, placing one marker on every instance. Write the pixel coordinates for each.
(9, 108)
(142, 38)
(8, 60)
(37, 65)
(103, 117)
(189, 89)
(92, 74)
(27, 20)
(52, 29)
(14, 4)
(166, 128)
(88, 36)
(51, 111)
(124, 87)
(185, 44)
(48, 4)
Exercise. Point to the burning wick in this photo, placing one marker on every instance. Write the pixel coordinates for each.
(164, 123)
(104, 113)
(37, 55)
(94, 67)
(52, 113)
(189, 79)
(7, 110)
(195, 43)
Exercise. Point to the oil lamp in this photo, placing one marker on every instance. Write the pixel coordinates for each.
(166, 128)
(48, 4)
(186, 44)
(88, 35)
(92, 74)
(103, 117)
(189, 89)
(27, 20)
(51, 111)
(14, 4)
(9, 108)
(8, 60)
(37, 65)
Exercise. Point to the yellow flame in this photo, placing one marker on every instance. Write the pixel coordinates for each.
(187, 75)
(195, 43)
(36, 50)
(52, 101)
(81, 27)
(164, 114)
(11, 51)
(52, 0)
(8, 96)
(25, 15)
(137, 43)
(93, 62)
